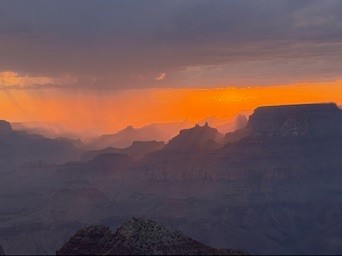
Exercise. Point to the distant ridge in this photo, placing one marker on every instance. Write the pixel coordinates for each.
(151, 132)
(21, 146)
(137, 150)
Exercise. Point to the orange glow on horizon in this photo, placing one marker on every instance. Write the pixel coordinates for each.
(95, 112)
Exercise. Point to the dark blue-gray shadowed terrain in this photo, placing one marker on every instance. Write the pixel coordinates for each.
(272, 189)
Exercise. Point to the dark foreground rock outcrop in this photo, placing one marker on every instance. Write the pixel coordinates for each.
(136, 237)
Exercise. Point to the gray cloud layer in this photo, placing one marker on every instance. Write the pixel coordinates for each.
(122, 44)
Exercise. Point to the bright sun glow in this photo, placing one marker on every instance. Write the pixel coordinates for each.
(102, 112)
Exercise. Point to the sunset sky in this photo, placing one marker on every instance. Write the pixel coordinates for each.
(98, 66)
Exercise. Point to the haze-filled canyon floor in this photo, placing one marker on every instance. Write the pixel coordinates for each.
(272, 187)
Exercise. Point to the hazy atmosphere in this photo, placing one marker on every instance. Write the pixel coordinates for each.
(98, 66)
(174, 127)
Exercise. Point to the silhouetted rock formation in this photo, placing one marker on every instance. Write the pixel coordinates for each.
(5, 128)
(279, 144)
(296, 120)
(136, 237)
(301, 121)
(275, 188)
(284, 142)
(198, 137)
(19, 147)
(191, 150)
(137, 150)
(125, 137)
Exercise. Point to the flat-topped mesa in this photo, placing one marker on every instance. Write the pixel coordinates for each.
(304, 120)
(5, 127)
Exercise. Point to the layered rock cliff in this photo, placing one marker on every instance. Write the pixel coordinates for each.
(296, 120)
(275, 189)
(279, 143)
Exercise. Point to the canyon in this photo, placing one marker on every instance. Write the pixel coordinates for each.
(272, 187)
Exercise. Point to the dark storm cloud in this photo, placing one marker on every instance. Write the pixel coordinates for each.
(122, 44)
